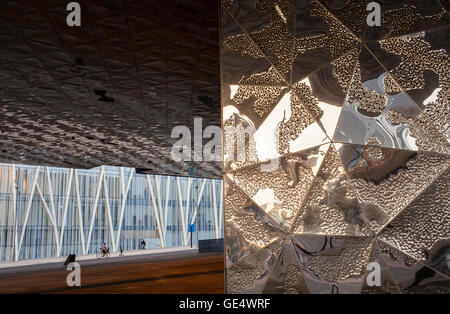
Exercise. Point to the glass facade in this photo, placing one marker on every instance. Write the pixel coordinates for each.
(50, 212)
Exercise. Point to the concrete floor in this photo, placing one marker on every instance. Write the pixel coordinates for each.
(175, 272)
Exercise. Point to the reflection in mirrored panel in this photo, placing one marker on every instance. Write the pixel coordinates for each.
(323, 91)
(270, 24)
(353, 121)
(248, 228)
(398, 17)
(266, 122)
(332, 207)
(412, 276)
(319, 39)
(398, 175)
(351, 13)
(242, 61)
(376, 109)
(250, 275)
(418, 230)
(286, 276)
(420, 64)
(378, 272)
(280, 193)
(333, 264)
(402, 17)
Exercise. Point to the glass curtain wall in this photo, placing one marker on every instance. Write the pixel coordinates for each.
(50, 212)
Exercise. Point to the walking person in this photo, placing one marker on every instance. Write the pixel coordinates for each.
(143, 244)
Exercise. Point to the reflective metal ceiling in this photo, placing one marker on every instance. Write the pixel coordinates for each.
(108, 92)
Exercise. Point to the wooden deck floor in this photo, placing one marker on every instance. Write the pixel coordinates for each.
(182, 273)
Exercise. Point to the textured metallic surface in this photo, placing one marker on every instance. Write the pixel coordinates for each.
(421, 230)
(286, 276)
(362, 116)
(410, 275)
(332, 206)
(391, 182)
(158, 61)
(250, 274)
(333, 264)
(248, 228)
(281, 192)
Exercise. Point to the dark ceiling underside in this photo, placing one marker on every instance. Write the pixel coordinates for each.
(108, 92)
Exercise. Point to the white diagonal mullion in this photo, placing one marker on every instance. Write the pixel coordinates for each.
(166, 206)
(122, 207)
(200, 194)
(122, 182)
(188, 205)
(199, 197)
(13, 171)
(155, 211)
(50, 191)
(80, 215)
(50, 217)
(27, 211)
(216, 224)
(180, 202)
(158, 198)
(188, 198)
(108, 215)
(66, 205)
(154, 206)
(91, 225)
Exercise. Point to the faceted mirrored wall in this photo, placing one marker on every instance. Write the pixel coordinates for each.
(355, 119)
(48, 212)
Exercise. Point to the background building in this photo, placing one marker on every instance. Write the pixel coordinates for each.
(50, 212)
